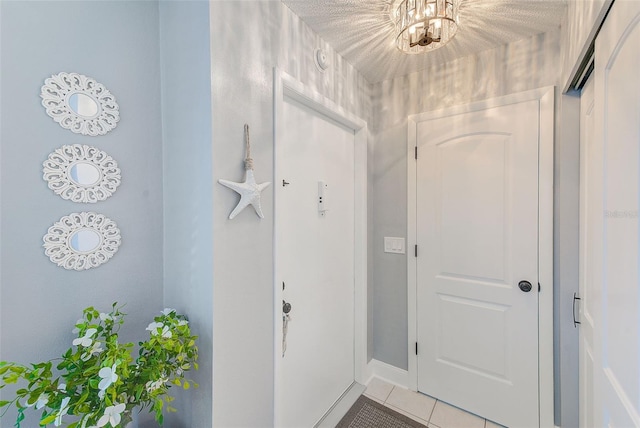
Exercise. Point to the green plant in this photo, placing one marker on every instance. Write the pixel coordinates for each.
(97, 381)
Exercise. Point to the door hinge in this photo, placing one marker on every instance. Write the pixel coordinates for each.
(415, 250)
(416, 348)
(416, 153)
(539, 287)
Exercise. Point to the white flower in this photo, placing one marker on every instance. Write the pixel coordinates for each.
(42, 401)
(167, 311)
(109, 376)
(112, 415)
(96, 348)
(158, 328)
(104, 317)
(166, 332)
(64, 408)
(77, 330)
(86, 339)
(154, 326)
(183, 322)
(62, 387)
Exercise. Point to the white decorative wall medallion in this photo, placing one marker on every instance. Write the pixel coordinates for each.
(81, 173)
(80, 104)
(81, 241)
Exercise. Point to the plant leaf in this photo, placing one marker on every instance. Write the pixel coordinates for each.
(48, 419)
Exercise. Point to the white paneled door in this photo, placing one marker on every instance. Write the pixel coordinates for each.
(610, 230)
(477, 261)
(314, 263)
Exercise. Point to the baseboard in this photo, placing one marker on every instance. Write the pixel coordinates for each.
(341, 407)
(388, 373)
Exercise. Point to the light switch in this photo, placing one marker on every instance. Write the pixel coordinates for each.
(322, 197)
(394, 245)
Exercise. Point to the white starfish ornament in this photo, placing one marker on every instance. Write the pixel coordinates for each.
(248, 190)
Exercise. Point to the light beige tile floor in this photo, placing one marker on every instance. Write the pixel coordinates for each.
(422, 408)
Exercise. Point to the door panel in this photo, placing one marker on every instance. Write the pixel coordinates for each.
(613, 217)
(472, 187)
(477, 231)
(315, 263)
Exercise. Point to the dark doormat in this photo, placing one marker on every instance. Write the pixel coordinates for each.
(366, 413)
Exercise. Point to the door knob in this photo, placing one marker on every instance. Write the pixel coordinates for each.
(286, 307)
(525, 286)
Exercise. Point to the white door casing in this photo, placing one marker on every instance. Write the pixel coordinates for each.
(480, 210)
(611, 225)
(584, 307)
(320, 258)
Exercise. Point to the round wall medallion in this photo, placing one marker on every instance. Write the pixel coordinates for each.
(80, 104)
(81, 173)
(81, 241)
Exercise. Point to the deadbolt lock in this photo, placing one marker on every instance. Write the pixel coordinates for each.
(286, 307)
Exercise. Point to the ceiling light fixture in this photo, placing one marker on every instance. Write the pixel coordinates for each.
(424, 25)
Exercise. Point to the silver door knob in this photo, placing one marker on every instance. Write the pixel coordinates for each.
(525, 286)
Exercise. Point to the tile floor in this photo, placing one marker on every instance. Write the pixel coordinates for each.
(422, 408)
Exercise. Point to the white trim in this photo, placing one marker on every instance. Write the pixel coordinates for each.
(388, 373)
(285, 86)
(546, 98)
(412, 263)
(545, 257)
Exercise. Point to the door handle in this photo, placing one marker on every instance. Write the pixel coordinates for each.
(525, 286)
(286, 307)
(575, 321)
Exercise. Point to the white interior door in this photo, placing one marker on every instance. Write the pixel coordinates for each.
(611, 230)
(477, 235)
(314, 263)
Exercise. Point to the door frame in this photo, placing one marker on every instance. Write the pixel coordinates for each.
(286, 86)
(546, 99)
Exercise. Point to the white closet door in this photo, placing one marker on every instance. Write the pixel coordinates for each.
(612, 219)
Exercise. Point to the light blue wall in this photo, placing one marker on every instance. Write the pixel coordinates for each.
(187, 174)
(117, 43)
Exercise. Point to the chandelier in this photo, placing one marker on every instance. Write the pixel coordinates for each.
(424, 25)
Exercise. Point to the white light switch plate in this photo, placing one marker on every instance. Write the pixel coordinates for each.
(394, 245)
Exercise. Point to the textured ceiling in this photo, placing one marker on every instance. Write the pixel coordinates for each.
(363, 33)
